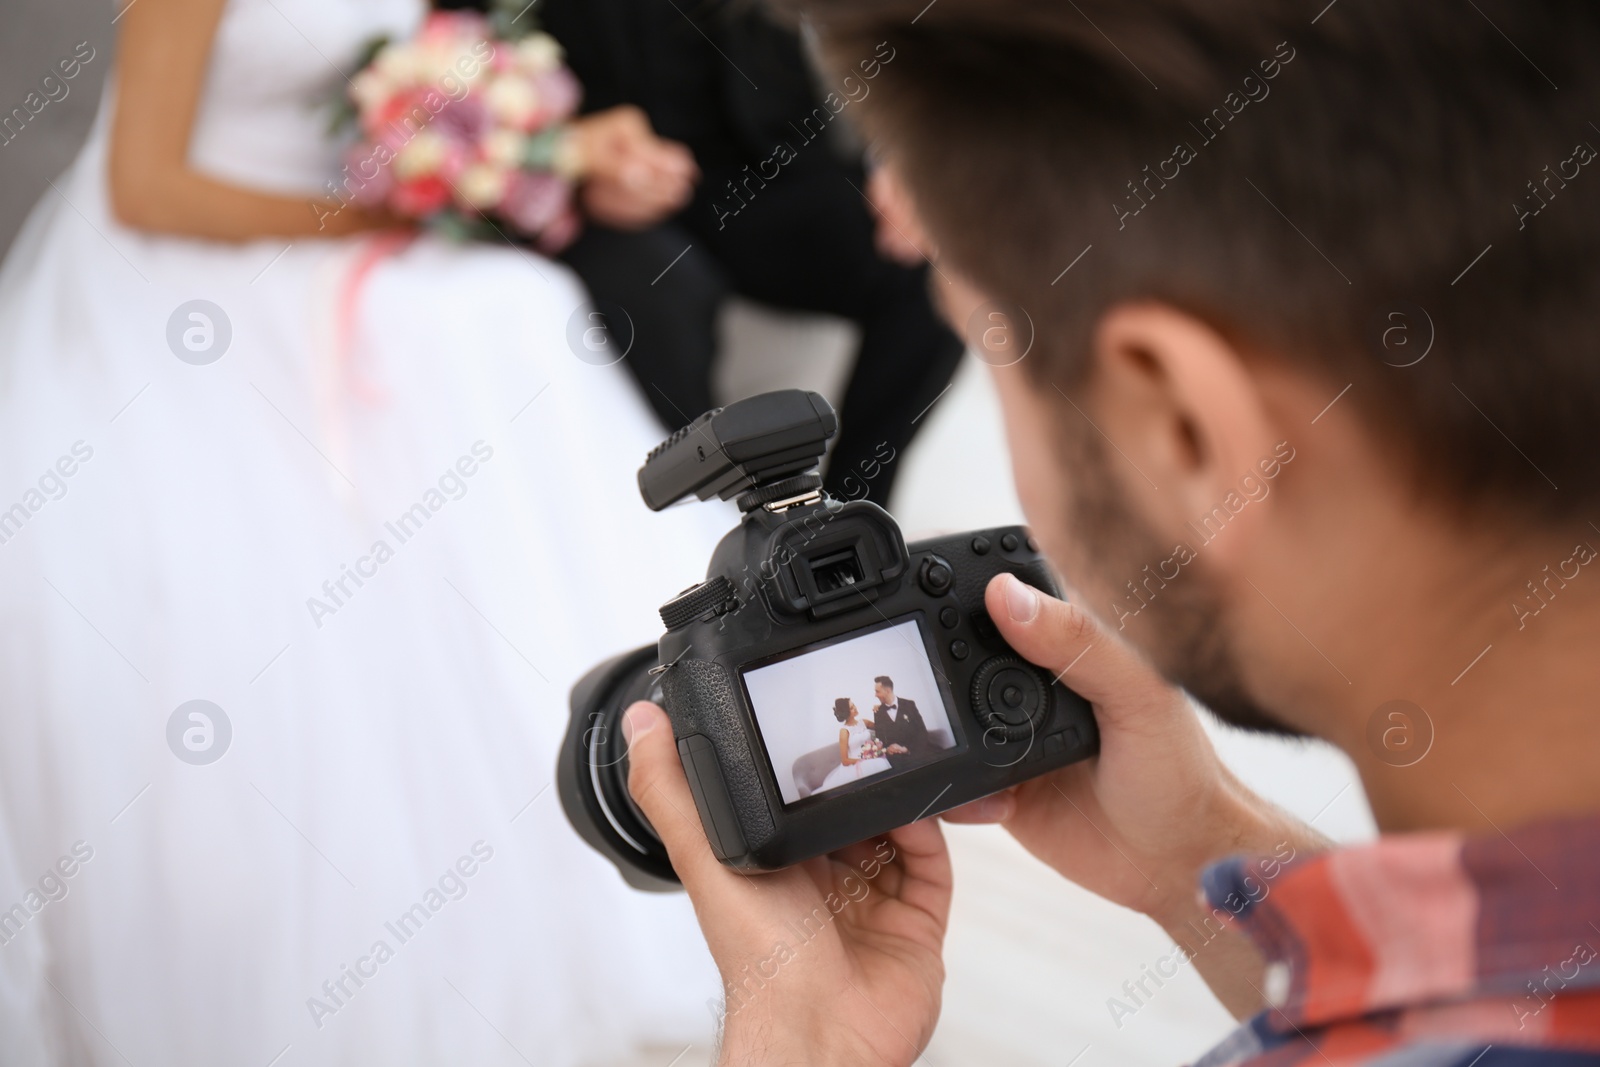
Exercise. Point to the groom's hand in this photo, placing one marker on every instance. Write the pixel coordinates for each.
(632, 178)
(864, 987)
(896, 749)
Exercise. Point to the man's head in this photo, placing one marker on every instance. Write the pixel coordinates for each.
(1307, 303)
(883, 688)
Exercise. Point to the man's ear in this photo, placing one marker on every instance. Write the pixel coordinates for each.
(1186, 411)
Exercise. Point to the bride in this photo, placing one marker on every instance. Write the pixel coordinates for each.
(304, 535)
(853, 735)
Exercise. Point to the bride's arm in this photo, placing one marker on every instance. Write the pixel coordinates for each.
(844, 748)
(162, 59)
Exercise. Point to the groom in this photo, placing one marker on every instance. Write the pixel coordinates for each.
(778, 217)
(899, 725)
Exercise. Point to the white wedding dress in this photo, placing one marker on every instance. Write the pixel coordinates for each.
(167, 530)
(856, 735)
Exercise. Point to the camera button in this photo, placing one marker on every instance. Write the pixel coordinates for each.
(980, 545)
(949, 618)
(1010, 542)
(958, 649)
(1054, 745)
(935, 576)
(1032, 543)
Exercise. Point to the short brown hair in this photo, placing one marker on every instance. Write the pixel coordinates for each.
(1347, 161)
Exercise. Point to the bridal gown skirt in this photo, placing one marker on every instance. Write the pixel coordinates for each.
(178, 531)
(844, 775)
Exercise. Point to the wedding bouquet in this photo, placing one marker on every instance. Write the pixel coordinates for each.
(872, 748)
(463, 128)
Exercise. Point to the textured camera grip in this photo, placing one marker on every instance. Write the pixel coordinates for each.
(1037, 573)
(973, 570)
(702, 697)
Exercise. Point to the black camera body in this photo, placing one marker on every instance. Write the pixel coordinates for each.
(809, 605)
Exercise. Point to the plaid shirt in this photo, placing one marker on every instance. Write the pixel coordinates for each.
(1424, 950)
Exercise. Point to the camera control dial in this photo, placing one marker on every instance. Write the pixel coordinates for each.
(1011, 697)
(697, 601)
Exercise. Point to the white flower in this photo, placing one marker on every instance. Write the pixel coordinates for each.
(439, 60)
(422, 155)
(371, 88)
(396, 63)
(538, 53)
(428, 63)
(505, 147)
(511, 100)
(483, 185)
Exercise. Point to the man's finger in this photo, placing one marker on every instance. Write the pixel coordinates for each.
(656, 780)
(1073, 646)
(924, 858)
(996, 807)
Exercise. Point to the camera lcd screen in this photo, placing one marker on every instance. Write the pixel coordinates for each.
(856, 710)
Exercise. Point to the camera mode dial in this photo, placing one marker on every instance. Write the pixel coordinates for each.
(697, 601)
(1011, 698)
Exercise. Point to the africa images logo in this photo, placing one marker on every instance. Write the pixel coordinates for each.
(199, 732)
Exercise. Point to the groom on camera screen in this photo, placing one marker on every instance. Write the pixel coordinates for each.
(898, 724)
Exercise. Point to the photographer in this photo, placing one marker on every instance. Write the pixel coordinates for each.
(1292, 264)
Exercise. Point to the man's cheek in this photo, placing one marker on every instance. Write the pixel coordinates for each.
(1036, 469)
(956, 303)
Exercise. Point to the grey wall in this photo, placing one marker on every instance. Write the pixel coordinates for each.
(34, 36)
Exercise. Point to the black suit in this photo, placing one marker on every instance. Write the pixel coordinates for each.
(906, 728)
(801, 238)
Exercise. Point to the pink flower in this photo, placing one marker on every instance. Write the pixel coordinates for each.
(464, 120)
(561, 231)
(398, 118)
(420, 197)
(559, 93)
(534, 201)
(441, 26)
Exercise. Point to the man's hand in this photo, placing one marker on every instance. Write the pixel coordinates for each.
(896, 749)
(631, 178)
(834, 961)
(1138, 823)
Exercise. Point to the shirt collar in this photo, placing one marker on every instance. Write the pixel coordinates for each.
(1417, 918)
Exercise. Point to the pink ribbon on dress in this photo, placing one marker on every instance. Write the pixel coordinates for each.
(373, 252)
(341, 377)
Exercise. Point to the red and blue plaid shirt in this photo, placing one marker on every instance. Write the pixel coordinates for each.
(1424, 950)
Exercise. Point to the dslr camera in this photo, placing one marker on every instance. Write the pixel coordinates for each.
(826, 682)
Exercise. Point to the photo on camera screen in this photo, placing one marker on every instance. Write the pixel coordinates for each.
(860, 708)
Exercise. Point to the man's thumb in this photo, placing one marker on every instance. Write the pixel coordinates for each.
(1070, 643)
(658, 785)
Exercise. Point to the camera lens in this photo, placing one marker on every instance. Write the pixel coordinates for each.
(592, 777)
